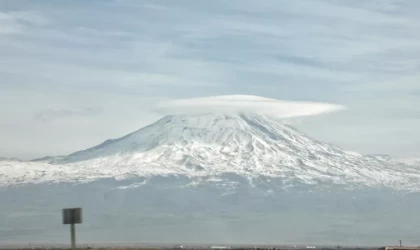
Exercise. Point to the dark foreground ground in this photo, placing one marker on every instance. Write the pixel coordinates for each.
(194, 248)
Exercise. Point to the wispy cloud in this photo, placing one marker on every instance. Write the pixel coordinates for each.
(17, 21)
(49, 115)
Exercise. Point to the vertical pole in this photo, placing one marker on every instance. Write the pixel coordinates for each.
(400, 243)
(73, 236)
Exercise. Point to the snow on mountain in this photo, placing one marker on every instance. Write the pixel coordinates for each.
(206, 146)
(9, 159)
(412, 161)
(48, 159)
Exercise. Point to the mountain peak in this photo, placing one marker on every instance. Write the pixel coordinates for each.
(222, 128)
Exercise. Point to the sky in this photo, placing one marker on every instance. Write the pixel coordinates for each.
(75, 73)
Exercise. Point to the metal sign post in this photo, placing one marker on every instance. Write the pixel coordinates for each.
(72, 216)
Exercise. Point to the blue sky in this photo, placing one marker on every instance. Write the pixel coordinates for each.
(74, 73)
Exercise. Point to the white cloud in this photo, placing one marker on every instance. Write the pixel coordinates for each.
(245, 103)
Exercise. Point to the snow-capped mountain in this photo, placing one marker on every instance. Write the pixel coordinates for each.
(226, 178)
(203, 147)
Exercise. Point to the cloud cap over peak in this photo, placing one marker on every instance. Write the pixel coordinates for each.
(246, 103)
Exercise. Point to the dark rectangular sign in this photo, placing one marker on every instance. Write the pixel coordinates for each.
(72, 216)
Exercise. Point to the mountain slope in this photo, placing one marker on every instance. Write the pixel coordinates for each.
(206, 146)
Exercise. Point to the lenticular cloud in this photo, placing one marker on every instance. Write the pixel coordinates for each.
(247, 104)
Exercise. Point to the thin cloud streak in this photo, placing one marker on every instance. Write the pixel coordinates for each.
(15, 22)
(49, 115)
